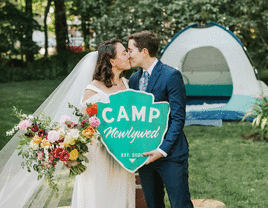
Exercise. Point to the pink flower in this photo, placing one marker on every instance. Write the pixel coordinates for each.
(24, 124)
(40, 155)
(53, 136)
(64, 119)
(94, 121)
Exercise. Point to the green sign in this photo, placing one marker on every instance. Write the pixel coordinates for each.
(132, 124)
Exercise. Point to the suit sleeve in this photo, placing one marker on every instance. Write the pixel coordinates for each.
(131, 81)
(177, 102)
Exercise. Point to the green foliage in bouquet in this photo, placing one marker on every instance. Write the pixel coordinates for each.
(44, 143)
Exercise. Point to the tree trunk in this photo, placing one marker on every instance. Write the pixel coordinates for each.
(61, 36)
(85, 31)
(60, 25)
(29, 30)
(45, 27)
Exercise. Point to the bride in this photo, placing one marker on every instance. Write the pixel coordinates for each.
(105, 183)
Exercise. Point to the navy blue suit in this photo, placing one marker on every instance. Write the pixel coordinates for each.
(166, 84)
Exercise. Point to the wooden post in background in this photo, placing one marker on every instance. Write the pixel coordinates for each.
(140, 198)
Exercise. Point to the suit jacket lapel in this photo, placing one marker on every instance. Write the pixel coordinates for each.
(154, 76)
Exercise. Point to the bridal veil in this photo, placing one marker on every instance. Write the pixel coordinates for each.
(18, 188)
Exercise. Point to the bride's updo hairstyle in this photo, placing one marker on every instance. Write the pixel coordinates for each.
(103, 71)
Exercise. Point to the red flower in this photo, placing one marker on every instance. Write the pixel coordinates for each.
(29, 135)
(64, 155)
(35, 128)
(92, 110)
(57, 152)
(60, 140)
(43, 133)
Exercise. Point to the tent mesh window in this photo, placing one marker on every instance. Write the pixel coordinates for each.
(206, 73)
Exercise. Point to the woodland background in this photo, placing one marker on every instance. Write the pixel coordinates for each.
(62, 22)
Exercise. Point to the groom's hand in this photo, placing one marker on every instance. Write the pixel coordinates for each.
(153, 156)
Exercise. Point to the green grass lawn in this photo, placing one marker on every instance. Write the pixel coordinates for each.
(225, 167)
(222, 165)
(27, 96)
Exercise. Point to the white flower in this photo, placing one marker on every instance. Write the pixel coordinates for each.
(61, 131)
(46, 153)
(68, 140)
(94, 138)
(31, 117)
(34, 146)
(73, 134)
(53, 136)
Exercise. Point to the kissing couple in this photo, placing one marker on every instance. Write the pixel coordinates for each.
(106, 184)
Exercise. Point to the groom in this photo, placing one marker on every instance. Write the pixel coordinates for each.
(168, 165)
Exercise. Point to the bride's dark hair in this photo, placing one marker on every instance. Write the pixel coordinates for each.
(103, 71)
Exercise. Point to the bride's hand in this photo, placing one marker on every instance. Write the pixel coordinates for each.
(69, 164)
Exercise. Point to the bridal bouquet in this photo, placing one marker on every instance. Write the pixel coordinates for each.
(44, 143)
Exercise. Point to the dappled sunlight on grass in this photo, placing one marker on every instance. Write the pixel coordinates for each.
(222, 165)
(227, 168)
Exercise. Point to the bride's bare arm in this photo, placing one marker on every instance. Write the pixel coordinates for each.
(87, 95)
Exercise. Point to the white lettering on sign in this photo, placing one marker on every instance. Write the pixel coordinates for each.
(125, 155)
(105, 117)
(122, 114)
(152, 115)
(136, 113)
(114, 133)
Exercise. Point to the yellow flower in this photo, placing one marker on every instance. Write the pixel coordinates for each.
(88, 132)
(45, 143)
(73, 154)
(37, 139)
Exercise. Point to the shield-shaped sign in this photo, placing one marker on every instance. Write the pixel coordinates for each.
(132, 124)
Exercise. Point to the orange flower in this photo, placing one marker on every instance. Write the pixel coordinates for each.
(92, 110)
(88, 132)
(37, 140)
(45, 143)
(73, 154)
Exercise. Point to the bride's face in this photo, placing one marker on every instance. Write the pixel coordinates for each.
(121, 62)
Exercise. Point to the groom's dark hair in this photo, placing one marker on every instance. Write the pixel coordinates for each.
(146, 39)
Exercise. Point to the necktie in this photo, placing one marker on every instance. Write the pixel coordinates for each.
(144, 81)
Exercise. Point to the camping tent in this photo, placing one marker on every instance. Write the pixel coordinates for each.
(220, 80)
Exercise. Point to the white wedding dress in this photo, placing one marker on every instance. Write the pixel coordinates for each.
(105, 184)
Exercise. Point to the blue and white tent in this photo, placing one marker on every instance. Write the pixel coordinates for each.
(220, 79)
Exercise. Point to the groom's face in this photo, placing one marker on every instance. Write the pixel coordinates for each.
(136, 56)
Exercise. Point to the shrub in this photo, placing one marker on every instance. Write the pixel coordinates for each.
(260, 112)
